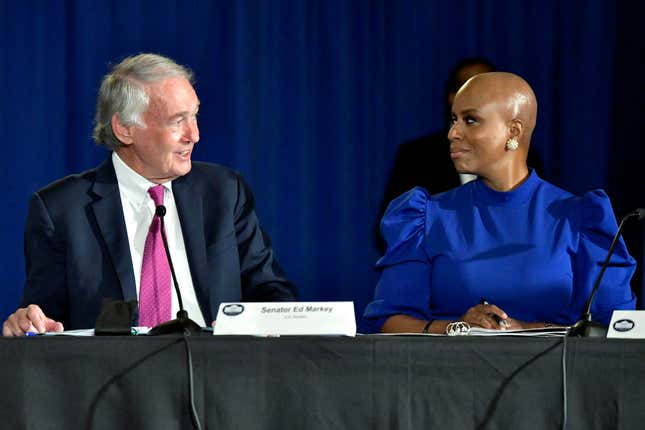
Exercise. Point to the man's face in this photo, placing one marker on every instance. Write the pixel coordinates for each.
(161, 150)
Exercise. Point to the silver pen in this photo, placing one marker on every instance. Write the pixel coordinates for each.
(500, 321)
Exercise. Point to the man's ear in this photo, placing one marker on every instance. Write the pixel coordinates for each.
(121, 131)
(516, 129)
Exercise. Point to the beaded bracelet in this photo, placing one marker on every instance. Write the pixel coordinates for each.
(457, 328)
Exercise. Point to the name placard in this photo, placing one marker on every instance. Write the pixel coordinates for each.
(286, 318)
(627, 325)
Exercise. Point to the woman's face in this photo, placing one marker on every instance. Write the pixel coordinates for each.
(478, 133)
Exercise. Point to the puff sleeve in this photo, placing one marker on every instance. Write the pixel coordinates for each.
(597, 228)
(403, 287)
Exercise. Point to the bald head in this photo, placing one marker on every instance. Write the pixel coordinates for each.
(511, 93)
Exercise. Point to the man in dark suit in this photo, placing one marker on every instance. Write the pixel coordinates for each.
(86, 235)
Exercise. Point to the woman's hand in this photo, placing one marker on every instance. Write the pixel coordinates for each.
(513, 324)
(490, 317)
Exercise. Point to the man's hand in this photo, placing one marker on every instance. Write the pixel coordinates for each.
(29, 319)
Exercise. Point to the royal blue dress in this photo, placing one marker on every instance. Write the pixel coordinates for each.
(534, 251)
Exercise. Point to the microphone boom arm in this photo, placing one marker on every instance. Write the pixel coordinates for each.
(181, 324)
(586, 327)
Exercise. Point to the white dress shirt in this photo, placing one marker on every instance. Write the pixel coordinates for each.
(466, 177)
(138, 210)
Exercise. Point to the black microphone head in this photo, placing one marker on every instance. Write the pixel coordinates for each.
(640, 212)
(161, 211)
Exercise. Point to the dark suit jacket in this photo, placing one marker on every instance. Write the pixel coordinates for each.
(77, 252)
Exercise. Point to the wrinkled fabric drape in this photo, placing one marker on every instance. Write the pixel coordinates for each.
(309, 100)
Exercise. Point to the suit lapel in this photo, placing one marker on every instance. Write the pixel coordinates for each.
(191, 217)
(109, 217)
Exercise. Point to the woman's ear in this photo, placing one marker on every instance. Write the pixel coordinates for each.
(516, 129)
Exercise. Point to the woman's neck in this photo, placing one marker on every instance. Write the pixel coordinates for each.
(507, 179)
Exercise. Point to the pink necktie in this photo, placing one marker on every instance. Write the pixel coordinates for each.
(155, 289)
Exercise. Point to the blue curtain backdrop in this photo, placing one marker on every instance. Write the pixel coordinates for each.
(309, 100)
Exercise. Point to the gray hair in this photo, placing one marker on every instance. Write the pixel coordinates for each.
(123, 93)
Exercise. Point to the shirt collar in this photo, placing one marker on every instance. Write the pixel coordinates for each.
(133, 186)
(518, 196)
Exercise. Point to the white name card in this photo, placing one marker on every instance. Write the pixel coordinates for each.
(286, 318)
(627, 325)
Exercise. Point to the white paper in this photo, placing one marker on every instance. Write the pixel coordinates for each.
(536, 332)
(477, 331)
(90, 332)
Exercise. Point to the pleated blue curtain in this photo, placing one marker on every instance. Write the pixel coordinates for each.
(308, 99)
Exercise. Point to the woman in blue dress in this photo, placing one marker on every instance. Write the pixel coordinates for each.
(531, 249)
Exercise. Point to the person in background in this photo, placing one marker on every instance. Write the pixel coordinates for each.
(507, 250)
(96, 235)
(425, 161)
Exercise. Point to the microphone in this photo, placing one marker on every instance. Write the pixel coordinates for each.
(586, 327)
(181, 324)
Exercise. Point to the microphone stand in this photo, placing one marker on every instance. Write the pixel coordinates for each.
(586, 327)
(182, 324)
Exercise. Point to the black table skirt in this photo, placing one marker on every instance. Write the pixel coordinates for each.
(369, 382)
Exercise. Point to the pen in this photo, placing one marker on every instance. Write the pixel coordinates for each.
(31, 333)
(499, 319)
